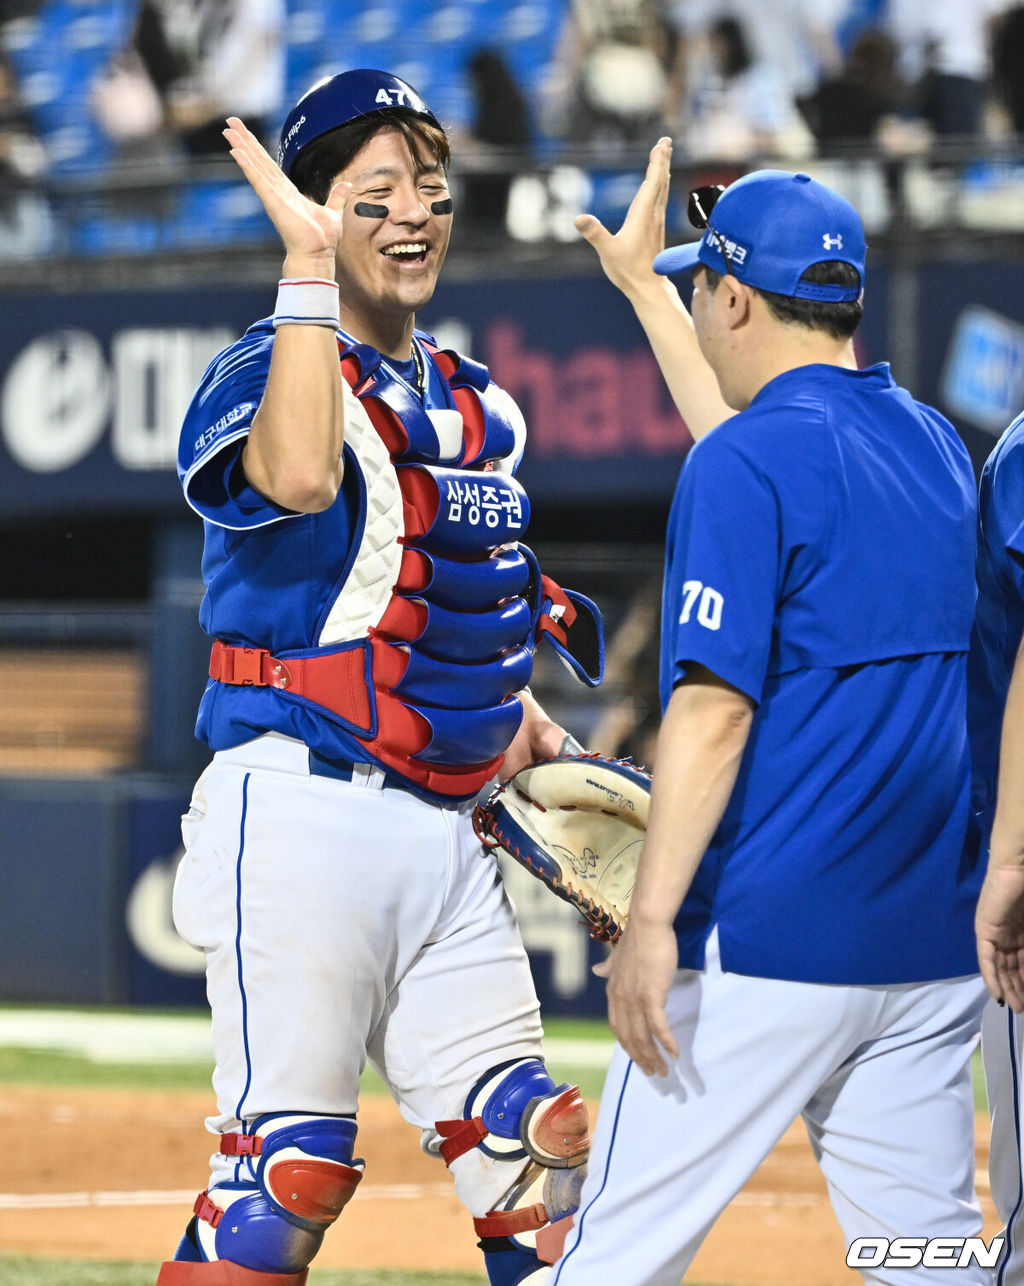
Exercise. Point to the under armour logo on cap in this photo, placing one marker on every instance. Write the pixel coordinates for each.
(832, 243)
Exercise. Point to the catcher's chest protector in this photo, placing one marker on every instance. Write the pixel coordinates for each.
(455, 603)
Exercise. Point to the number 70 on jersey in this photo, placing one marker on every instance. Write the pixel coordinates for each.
(703, 603)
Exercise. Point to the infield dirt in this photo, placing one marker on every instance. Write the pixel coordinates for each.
(112, 1173)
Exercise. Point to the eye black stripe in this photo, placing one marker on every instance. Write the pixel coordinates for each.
(369, 211)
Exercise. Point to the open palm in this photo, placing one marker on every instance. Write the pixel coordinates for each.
(626, 256)
(308, 230)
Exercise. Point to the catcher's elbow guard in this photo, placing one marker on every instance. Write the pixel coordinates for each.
(294, 1177)
(517, 1113)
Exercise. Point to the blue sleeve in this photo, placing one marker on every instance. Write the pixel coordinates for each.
(1002, 507)
(214, 432)
(722, 571)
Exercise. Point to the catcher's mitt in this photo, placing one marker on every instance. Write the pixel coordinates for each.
(578, 823)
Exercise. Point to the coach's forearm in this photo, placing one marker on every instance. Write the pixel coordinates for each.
(1007, 845)
(700, 747)
(669, 330)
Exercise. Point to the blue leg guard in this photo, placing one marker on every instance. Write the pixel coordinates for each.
(515, 1113)
(293, 1177)
(507, 1265)
(188, 1247)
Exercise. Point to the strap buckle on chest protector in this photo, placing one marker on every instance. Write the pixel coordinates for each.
(247, 667)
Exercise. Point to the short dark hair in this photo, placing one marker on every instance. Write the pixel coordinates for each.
(838, 320)
(322, 160)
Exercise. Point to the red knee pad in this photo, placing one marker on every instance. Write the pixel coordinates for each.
(317, 1190)
(556, 1131)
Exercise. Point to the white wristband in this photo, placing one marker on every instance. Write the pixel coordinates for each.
(307, 301)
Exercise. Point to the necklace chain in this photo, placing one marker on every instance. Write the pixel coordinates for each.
(421, 375)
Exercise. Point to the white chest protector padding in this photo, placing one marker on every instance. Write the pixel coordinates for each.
(368, 588)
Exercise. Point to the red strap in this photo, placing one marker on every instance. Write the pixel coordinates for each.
(415, 571)
(241, 1145)
(506, 1223)
(460, 1136)
(421, 500)
(248, 666)
(336, 681)
(390, 428)
(207, 1210)
(557, 596)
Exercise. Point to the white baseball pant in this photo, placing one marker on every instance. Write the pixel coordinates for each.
(345, 921)
(880, 1075)
(1002, 1052)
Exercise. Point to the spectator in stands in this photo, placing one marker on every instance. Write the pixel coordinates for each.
(237, 66)
(945, 53)
(852, 106)
(1008, 65)
(609, 76)
(500, 129)
(26, 226)
(191, 63)
(796, 38)
(740, 107)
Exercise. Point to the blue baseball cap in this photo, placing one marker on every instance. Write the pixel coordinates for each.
(774, 225)
(336, 100)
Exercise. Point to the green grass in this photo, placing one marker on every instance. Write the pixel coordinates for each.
(48, 1067)
(17, 1270)
(52, 1067)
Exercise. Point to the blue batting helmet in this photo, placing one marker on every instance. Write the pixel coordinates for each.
(336, 100)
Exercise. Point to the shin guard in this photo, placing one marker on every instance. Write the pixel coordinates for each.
(294, 1176)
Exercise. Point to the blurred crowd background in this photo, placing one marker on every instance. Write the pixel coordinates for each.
(111, 110)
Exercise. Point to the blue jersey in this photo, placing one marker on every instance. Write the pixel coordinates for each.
(999, 623)
(820, 559)
(308, 584)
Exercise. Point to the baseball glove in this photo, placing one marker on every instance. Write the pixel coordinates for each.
(577, 822)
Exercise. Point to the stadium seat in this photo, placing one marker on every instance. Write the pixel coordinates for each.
(217, 212)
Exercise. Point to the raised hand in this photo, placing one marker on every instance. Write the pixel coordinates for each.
(311, 233)
(626, 256)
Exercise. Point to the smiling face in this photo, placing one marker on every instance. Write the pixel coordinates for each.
(388, 264)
